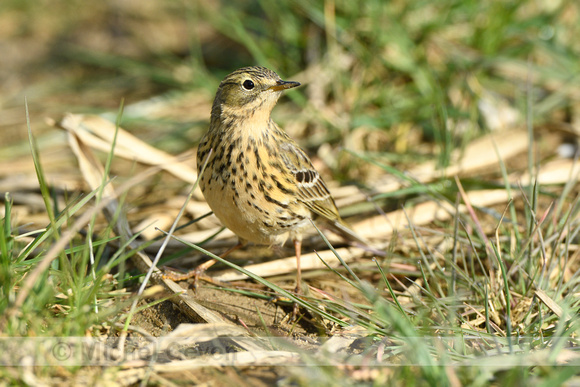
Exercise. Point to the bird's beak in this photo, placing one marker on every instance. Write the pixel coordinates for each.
(281, 85)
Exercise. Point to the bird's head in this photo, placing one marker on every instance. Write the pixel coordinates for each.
(249, 91)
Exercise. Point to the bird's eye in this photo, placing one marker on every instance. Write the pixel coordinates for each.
(248, 85)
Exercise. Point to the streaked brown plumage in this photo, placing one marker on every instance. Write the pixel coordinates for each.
(258, 181)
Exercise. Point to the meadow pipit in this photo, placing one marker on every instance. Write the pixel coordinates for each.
(257, 180)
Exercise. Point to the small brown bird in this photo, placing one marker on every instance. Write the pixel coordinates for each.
(258, 181)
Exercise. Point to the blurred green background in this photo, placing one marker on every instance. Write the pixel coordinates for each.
(405, 74)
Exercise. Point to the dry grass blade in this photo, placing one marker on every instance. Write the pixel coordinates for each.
(551, 304)
(557, 171)
(98, 133)
(381, 227)
(476, 157)
(288, 264)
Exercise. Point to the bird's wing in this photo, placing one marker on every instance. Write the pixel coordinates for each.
(312, 191)
(310, 188)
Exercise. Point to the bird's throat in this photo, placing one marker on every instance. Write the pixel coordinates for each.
(248, 123)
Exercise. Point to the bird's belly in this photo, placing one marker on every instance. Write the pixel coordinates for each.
(240, 212)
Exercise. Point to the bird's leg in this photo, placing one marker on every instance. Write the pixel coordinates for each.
(298, 289)
(298, 251)
(198, 271)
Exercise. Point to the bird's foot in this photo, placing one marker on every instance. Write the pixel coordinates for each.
(196, 274)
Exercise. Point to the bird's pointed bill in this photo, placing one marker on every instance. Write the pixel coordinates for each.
(281, 85)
